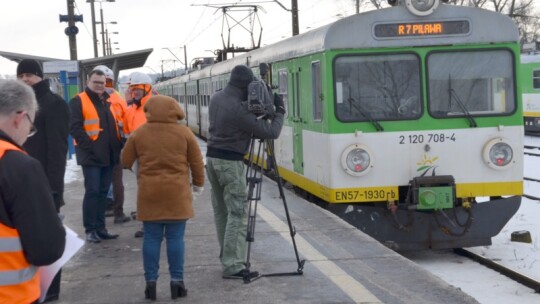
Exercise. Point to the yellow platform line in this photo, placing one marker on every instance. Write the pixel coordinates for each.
(356, 291)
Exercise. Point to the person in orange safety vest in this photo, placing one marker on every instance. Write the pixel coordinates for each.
(95, 129)
(31, 233)
(141, 89)
(119, 107)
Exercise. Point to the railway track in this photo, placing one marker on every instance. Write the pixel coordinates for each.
(515, 276)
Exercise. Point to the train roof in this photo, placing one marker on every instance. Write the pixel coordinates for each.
(357, 31)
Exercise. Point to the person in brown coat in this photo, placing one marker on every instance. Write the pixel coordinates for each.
(166, 153)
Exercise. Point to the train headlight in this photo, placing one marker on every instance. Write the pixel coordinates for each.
(498, 154)
(421, 7)
(356, 160)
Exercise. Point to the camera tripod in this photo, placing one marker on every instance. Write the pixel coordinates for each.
(254, 176)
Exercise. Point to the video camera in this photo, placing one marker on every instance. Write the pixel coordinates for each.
(260, 100)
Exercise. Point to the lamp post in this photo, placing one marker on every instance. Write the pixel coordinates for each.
(105, 36)
(94, 35)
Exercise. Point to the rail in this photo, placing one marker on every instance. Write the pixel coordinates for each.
(516, 276)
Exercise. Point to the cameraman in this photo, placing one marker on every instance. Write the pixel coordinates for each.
(231, 129)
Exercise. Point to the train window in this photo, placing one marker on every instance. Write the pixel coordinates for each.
(468, 83)
(377, 87)
(316, 91)
(536, 79)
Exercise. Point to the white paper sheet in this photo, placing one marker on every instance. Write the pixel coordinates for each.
(47, 273)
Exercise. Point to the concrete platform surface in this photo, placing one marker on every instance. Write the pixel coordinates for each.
(342, 265)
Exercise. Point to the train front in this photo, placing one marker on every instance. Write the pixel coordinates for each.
(427, 130)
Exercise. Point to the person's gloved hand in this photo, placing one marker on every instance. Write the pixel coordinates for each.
(280, 105)
(196, 190)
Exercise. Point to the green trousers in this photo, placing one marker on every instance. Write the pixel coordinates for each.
(229, 199)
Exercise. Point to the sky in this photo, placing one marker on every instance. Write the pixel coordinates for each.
(33, 27)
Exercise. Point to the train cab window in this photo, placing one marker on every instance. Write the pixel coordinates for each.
(316, 90)
(377, 87)
(471, 83)
(536, 79)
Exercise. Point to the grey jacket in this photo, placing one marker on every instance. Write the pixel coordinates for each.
(232, 125)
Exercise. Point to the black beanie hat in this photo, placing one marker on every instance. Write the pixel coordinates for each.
(29, 66)
(241, 76)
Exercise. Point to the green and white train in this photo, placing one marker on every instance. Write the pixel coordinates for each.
(530, 87)
(399, 119)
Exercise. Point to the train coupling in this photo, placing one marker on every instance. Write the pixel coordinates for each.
(433, 192)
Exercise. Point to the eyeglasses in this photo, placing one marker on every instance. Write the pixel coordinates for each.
(98, 83)
(33, 129)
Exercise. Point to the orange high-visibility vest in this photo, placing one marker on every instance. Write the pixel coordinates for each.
(119, 107)
(135, 117)
(91, 117)
(19, 280)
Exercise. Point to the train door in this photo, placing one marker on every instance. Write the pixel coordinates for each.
(297, 119)
(198, 102)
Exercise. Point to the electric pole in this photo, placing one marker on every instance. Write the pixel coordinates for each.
(71, 30)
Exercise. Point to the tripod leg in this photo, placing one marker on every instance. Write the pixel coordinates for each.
(292, 230)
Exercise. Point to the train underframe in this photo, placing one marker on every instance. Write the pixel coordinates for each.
(429, 216)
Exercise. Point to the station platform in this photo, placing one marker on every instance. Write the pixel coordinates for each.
(342, 265)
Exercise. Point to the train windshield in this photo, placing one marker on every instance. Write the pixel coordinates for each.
(377, 87)
(471, 83)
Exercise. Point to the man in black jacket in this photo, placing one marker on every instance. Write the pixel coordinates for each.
(98, 145)
(27, 209)
(50, 144)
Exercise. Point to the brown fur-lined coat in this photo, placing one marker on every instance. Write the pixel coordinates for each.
(166, 153)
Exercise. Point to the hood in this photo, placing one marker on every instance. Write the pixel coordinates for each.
(161, 108)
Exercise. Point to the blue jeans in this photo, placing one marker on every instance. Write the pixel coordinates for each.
(97, 181)
(153, 235)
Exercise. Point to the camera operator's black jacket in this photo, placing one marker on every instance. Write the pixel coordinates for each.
(232, 125)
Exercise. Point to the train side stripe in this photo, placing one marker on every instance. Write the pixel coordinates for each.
(356, 291)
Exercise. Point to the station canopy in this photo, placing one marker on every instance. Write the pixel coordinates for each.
(116, 62)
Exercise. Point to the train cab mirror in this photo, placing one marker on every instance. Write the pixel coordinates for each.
(263, 69)
(421, 7)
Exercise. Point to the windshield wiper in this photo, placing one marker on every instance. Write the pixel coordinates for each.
(366, 115)
(472, 122)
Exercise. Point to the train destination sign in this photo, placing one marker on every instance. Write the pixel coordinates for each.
(408, 29)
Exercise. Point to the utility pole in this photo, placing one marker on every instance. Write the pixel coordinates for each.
(357, 6)
(94, 35)
(294, 13)
(185, 60)
(71, 30)
(295, 22)
(102, 30)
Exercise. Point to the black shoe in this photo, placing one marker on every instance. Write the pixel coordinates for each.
(121, 219)
(241, 274)
(51, 298)
(139, 234)
(105, 235)
(92, 237)
(150, 291)
(178, 290)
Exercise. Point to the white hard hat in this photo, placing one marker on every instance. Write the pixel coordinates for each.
(108, 72)
(139, 78)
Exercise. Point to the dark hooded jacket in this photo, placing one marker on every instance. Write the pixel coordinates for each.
(50, 144)
(232, 125)
(105, 151)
